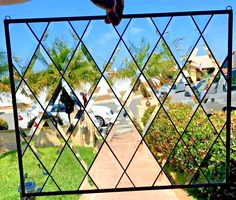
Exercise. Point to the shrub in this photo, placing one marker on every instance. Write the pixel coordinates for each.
(3, 124)
(144, 91)
(197, 138)
(147, 114)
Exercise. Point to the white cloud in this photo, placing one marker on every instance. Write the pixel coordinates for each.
(135, 30)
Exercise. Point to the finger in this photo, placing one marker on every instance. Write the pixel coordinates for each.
(106, 20)
(119, 8)
(113, 18)
(109, 4)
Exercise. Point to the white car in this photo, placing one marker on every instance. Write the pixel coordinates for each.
(101, 115)
(216, 98)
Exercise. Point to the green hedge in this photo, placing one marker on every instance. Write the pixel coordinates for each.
(3, 124)
(194, 149)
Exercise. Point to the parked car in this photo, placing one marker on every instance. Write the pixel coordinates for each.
(103, 114)
(165, 89)
(216, 97)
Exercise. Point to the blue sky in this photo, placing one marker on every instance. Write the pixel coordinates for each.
(62, 8)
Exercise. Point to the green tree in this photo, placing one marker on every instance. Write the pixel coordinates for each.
(4, 77)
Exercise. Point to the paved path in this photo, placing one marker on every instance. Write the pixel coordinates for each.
(142, 170)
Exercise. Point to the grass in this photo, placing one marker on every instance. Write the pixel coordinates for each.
(68, 173)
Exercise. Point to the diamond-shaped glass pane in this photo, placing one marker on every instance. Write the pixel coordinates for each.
(122, 72)
(217, 28)
(82, 74)
(106, 170)
(22, 37)
(137, 170)
(103, 106)
(199, 135)
(161, 136)
(42, 77)
(181, 40)
(71, 168)
(123, 139)
(141, 100)
(85, 140)
(100, 39)
(180, 167)
(161, 70)
(141, 37)
(214, 163)
(28, 107)
(34, 172)
(47, 142)
(60, 42)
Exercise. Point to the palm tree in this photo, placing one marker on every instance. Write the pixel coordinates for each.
(4, 77)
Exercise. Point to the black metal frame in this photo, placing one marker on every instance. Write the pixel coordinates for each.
(7, 22)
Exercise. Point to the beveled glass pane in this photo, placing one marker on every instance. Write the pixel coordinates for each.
(47, 142)
(199, 138)
(180, 167)
(181, 103)
(203, 71)
(71, 168)
(161, 137)
(42, 77)
(181, 36)
(142, 100)
(103, 107)
(141, 37)
(85, 140)
(21, 36)
(213, 166)
(161, 70)
(138, 171)
(123, 139)
(82, 74)
(28, 109)
(122, 72)
(105, 171)
(101, 40)
(60, 42)
(217, 28)
(33, 170)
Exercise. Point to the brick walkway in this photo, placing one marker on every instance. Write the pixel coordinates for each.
(143, 170)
